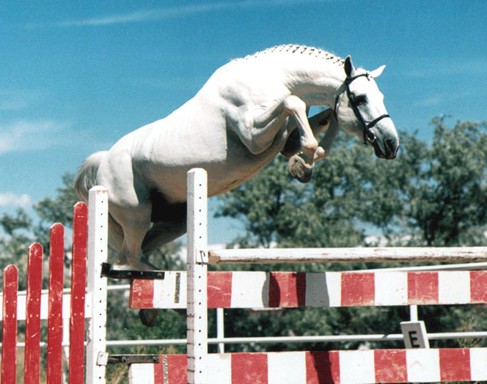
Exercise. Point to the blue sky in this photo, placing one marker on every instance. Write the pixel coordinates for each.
(76, 76)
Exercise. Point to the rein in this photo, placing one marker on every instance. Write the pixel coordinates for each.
(366, 126)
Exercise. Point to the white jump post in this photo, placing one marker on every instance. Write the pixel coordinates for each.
(197, 315)
(97, 286)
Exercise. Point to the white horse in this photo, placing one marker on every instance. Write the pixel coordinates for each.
(237, 123)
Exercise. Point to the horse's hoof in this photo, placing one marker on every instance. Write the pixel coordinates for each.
(299, 169)
(148, 317)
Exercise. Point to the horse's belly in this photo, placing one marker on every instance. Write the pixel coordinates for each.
(172, 181)
(226, 170)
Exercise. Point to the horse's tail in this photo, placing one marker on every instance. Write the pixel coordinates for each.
(86, 177)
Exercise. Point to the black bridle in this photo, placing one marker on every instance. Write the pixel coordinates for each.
(355, 102)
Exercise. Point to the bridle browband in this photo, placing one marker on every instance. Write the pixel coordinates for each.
(366, 126)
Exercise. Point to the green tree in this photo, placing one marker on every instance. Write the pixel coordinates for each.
(433, 194)
(15, 241)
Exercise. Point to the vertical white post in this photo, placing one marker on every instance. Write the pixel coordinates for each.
(413, 313)
(97, 285)
(220, 328)
(197, 323)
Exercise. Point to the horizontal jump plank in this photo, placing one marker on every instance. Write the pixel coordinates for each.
(260, 290)
(372, 366)
(348, 255)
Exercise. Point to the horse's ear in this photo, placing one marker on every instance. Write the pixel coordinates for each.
(349, 68)
(377, 72)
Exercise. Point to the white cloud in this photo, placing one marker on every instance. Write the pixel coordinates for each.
(431, 101)
(28, 135)
(171, 12)
(12, 200)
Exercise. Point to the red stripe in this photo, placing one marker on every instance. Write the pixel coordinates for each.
(55, 308)
(249, 368)
(220, 289)
(357, 289)
(287, 289)
(322, 367)
(423, 287)
(455, 364)
(478, 286)
(390, 366)
(141, 294)
(78, 288)
(177, 367)
(158, 371)
(9, 324)
(33, 319)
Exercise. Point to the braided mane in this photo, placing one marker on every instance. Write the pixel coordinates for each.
(298, 50)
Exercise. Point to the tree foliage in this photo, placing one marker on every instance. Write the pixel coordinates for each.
(433, 194)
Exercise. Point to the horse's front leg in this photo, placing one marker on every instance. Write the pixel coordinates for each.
(274, 118)
(298, 167)
(318, 123)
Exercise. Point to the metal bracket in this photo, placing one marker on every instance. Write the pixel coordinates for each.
(133, 359)
(130, 274)
(104, 358)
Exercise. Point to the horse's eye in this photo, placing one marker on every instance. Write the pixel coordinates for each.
(360, 99)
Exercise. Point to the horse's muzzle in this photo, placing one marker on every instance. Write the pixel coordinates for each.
(388, 149)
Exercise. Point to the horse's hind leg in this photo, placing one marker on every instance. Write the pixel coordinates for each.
(169, 222)
(131, 254)
(135, 223)
(162, 233)
(115, 234)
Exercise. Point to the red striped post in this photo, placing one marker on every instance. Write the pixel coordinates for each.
(78, 290)
(9, 324)
(55, 308)
(33, 315)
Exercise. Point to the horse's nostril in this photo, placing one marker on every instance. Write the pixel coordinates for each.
(390, 148)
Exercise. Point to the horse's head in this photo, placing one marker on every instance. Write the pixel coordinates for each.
(360, 110)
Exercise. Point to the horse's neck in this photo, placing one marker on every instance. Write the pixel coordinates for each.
(315, 79)
(315, 83)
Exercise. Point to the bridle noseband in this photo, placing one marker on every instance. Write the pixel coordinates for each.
(366, 126)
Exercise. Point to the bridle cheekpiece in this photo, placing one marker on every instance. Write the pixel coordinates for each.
(355, 102)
